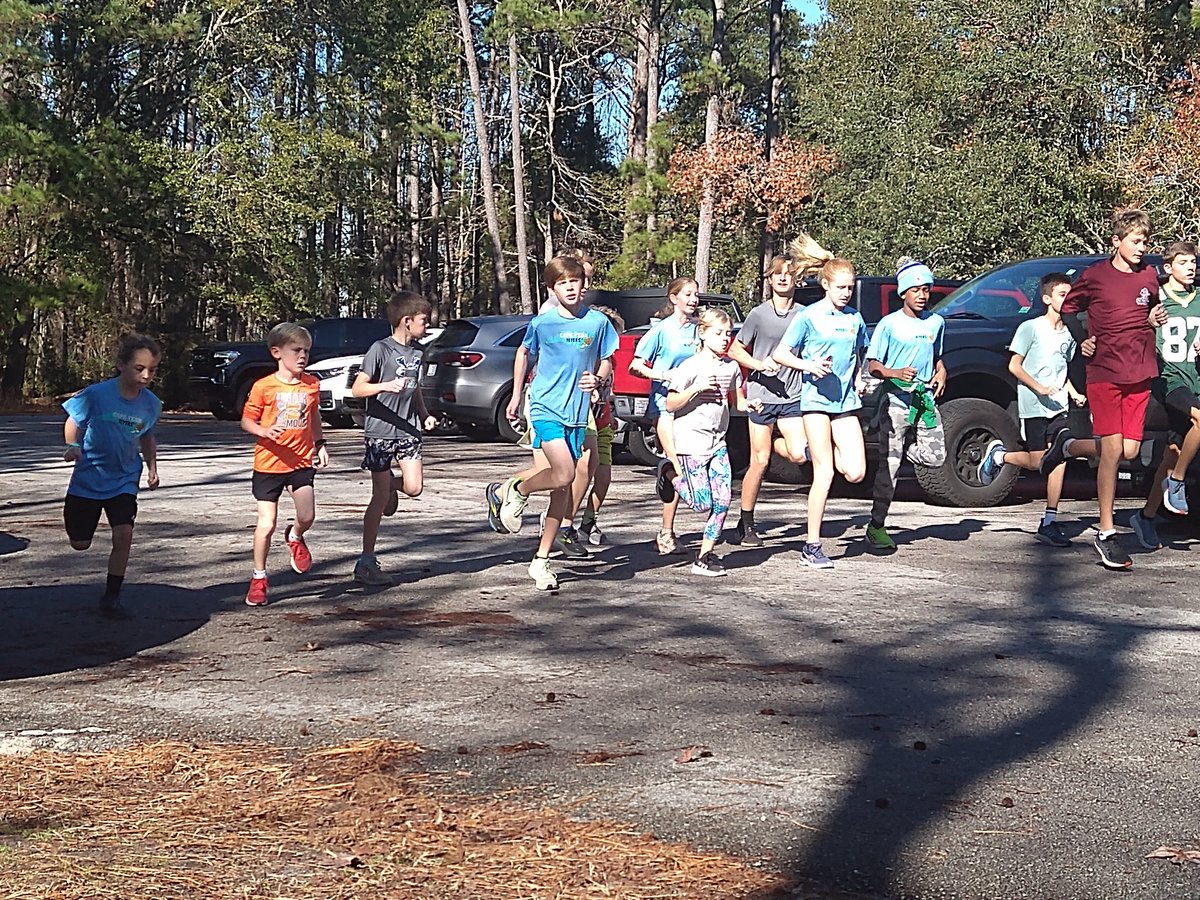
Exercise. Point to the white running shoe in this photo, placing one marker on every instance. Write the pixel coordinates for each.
(543, 578)
(512, 506)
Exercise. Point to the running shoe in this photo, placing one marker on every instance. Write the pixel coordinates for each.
(393, 500)
(1051, 533)
(1146, 533)
(512, 507)
(543, 578)
(814, 557)
(1175, 496)
(257, 595)
(662, 481)
(747, 537)
(568, 544)
(879, 539)
(666, 544)
(367, 571)
(1056, 453)
(708, 564)
(301, 558)
(989, 466)
(111, 607)
(491, 494)
(1111, 554)
(591, 533)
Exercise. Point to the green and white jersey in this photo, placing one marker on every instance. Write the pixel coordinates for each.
(1175, 340)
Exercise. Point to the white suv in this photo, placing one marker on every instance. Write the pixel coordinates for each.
(335, 375)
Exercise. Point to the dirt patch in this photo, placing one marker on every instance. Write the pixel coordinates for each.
(361, 820)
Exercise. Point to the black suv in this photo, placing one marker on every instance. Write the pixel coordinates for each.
(221, 374)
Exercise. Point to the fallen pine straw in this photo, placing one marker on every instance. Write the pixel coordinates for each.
(169, 820)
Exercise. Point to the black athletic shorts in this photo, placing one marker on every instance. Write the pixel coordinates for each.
(1039, 432)
(269, 486)
(1179, 404)
(81, 515)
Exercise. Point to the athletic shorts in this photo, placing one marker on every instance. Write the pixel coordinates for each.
(1179, 404)
(1039, 431)
(379, 453)
(545, 430)
(604, 444)
(773, 412)
(81, 515)
(268, 486)
(1118, 408)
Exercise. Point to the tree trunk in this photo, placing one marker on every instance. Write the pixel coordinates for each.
(711, 120)
(654, 38)
(774, 90)
(518, 164)
(485, 160)
(413, 177)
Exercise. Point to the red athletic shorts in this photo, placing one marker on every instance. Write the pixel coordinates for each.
(1118, 408)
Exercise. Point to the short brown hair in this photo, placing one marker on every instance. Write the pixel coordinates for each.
(562, 267)
(131, 343)
(1051, 280)
(1179, 248)
(406, 305)
(288, 333)
(1127, 221)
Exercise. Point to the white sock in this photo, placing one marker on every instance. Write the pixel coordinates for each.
(998, 456)
(260, 573)
(1105, 535)
(1049, 516)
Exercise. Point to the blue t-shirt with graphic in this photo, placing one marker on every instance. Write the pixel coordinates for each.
(566, 346)
(901, 340)
(110, 427)
(822, 331)
(665, 346)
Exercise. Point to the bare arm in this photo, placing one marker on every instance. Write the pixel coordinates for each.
(364, 387)
(740, 355)
(71, 439)
(878, 370)
(1017, 370)
(786, 357)
(149, 445)
(641, 369)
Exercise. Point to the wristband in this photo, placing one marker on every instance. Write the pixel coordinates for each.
(320, 443)
(75, 444)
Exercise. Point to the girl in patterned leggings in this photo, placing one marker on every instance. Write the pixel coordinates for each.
(700, 393)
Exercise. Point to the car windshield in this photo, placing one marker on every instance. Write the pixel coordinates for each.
(1010, 292)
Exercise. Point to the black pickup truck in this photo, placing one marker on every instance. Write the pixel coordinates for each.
(220, 375)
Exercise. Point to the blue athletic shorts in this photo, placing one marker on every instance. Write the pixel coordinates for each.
(546, 430)
(773, 412)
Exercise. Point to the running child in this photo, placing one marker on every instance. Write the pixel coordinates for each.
(282, 412)
(778, 391)
(1117, 294)
(108, 432)
(906, 354)
(825, 343)
(390, 381)
(667, 344)
(700, 394)
(573, 348)
(1177, 388)
(1041, 350)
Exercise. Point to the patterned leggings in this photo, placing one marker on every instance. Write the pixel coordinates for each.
(705, 485)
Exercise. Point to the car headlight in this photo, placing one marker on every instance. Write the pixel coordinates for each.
(225, 357)
(322, 374)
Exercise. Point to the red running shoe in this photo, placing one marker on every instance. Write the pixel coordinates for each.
(301, 558)
(257, 595)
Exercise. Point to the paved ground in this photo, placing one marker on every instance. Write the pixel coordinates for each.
(977, 716)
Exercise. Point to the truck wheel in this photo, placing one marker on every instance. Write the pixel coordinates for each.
(970, 426)
(643, 444)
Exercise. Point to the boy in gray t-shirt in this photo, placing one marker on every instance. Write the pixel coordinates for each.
(390, 382)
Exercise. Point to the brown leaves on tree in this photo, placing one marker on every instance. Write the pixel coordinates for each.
(746, 183)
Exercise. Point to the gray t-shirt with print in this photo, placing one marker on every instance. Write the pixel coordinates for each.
(760, 334)
(393, 415)
(700, 427)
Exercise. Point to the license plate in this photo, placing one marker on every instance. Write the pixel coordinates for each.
(639, 406)
(431, 369)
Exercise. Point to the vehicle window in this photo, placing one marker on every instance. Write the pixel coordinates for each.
(514, 339)
(366, 331)
(328, 332)
(1010, 292)
(459, 333)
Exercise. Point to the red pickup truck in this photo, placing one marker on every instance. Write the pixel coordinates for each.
(874, 297)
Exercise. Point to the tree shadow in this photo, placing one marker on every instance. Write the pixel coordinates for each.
(11, 543)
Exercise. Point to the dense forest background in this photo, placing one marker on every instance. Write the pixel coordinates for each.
(199, 169)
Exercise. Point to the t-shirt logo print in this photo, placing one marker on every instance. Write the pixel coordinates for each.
(1143, 297)
(291, 410)
(580, 339)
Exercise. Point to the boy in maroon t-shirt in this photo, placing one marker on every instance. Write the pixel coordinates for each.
(1117, 294)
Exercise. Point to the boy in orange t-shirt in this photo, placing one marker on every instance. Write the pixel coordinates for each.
(282, 413)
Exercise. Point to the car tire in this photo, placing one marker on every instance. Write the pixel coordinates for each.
(505, 428)
(970, 425)
(222, 414)
(340, 421)
(643, 444)
(473, 431)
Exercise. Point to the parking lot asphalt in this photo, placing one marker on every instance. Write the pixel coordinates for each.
(975, 716)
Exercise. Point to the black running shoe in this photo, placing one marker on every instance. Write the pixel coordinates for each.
(111, 607)
(747, 537)
(708, 565)
(1056, 453)
(568, 543)
(1111, 554)
(662, 483)
(492, 495)
(1053, 535)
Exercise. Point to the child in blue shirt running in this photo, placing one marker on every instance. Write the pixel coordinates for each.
(572, 346)
(107, 425)
(906, 353)
(826, 343)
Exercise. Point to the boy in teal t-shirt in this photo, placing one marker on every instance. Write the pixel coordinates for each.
(906, 353)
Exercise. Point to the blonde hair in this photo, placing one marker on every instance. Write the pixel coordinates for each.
(809, 258)
(779, 264)
(1127, 221)
(712, 316)
(286, 333)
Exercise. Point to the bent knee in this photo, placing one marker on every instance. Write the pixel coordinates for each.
(855, 475)
(80, 545)
(414, 490)
(1130, 453)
